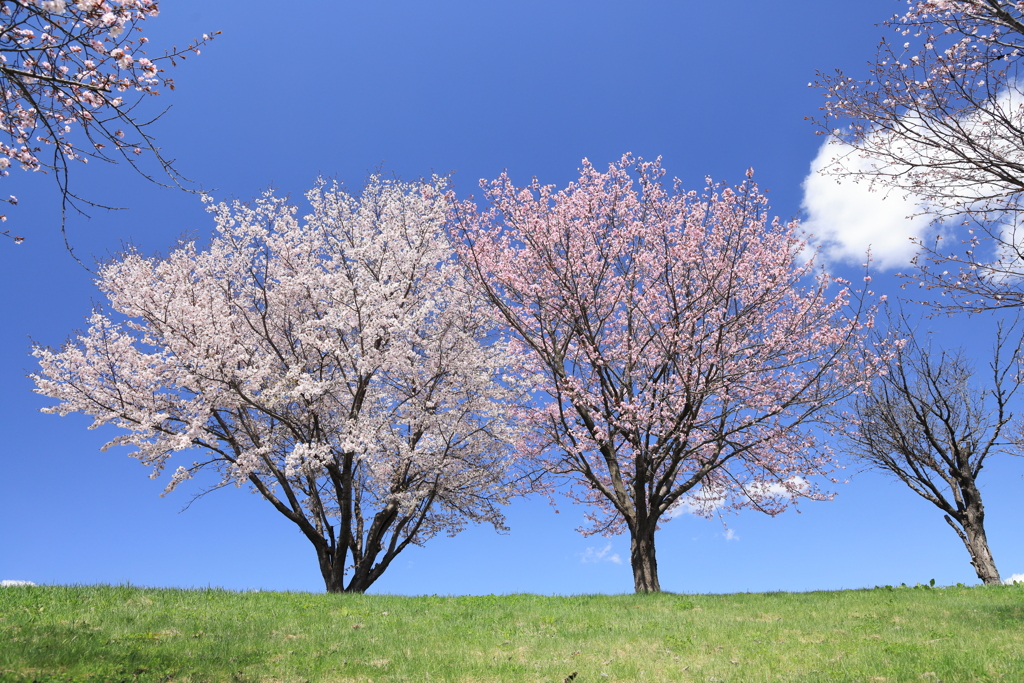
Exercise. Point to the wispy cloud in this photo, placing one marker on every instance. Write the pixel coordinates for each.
(793, 486)
(702, 502)
(731, 535)
(706, 500)
(605, 554)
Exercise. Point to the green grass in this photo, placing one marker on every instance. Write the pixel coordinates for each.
(121, 633)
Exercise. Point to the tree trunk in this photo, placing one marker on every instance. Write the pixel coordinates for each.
(358, 584)
(972, 519)
(363, 574)
(642, 557)
(334, 577)
(977, 542)
(981, 556)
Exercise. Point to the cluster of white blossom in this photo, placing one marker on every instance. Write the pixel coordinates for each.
(337, 363)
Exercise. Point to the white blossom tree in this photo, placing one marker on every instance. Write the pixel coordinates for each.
(67, 73)
(337, 364)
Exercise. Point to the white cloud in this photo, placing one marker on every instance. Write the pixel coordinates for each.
(1016, 578)
(923, 157)
(593, 555)
(707, 500)
(731, 535)
(847, 218)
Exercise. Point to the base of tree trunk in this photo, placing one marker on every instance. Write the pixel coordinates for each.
(645, 563)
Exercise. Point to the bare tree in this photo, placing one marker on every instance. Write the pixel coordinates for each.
(927, 423)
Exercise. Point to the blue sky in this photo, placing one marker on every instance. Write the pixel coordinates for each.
(533, 86)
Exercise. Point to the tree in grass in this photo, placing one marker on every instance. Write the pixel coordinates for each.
(336, 364)
(940, 118)
(686, 349)
(928, 423)
(68, 70)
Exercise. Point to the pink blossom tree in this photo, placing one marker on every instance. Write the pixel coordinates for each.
(337, 364)
(67, 69)
(685, 348)
(940, 118)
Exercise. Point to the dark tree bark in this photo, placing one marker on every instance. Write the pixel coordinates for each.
(353, 548)
(928, 424)
(643, 559)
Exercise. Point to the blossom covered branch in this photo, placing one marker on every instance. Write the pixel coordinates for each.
(67, 70)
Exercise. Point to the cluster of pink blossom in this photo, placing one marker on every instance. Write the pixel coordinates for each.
(678, 341)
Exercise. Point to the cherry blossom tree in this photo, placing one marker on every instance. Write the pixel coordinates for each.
(930, 424)
(67, 72)
(685, 349)
(940, 118)
(337, 364)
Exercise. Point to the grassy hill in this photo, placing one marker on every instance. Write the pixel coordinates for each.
(122, 633)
